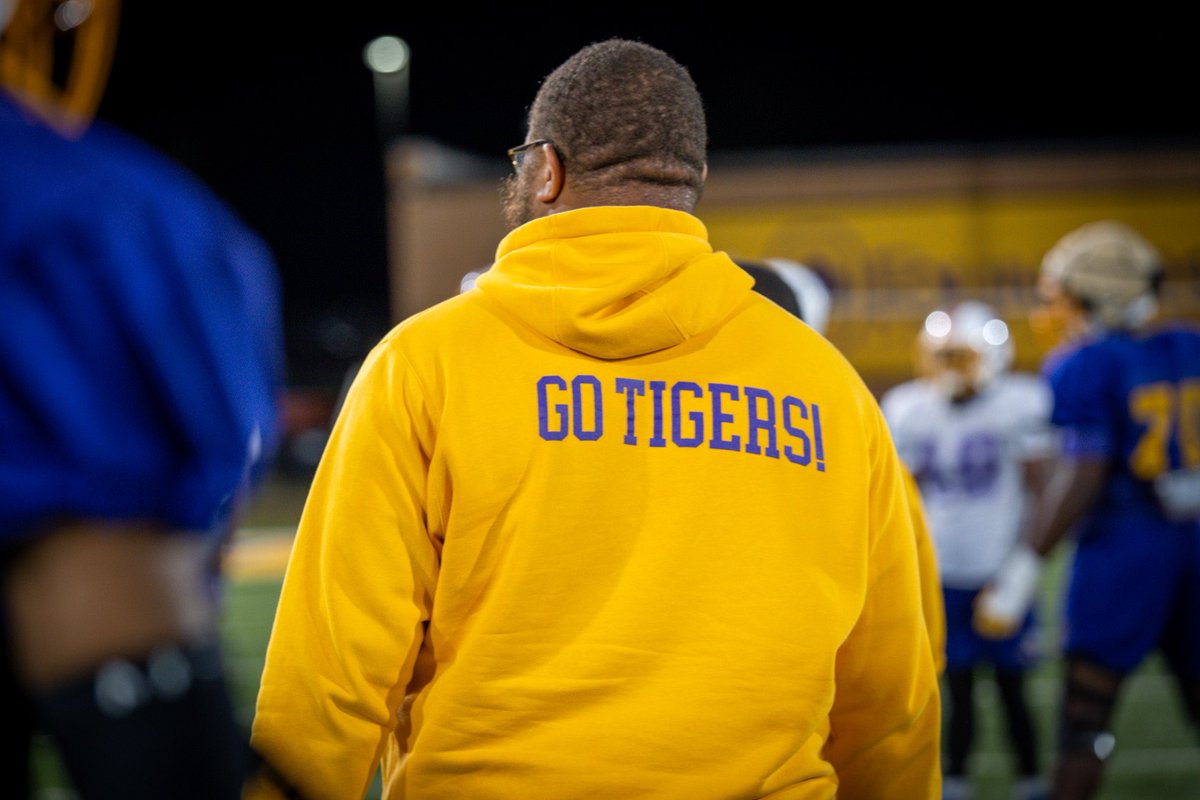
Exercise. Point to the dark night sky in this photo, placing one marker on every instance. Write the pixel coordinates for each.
(274, 108)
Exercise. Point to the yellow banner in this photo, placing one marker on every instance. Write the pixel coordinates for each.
(890, 261)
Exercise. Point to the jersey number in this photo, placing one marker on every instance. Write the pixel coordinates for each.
(1169, 411)
(975, 469)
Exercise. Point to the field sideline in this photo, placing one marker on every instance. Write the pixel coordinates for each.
(1157, 756)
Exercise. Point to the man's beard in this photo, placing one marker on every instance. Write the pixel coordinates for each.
(514, 202)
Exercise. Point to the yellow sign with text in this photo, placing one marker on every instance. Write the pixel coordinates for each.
(890, 261)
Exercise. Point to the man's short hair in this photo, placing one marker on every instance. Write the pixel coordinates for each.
(622, 112)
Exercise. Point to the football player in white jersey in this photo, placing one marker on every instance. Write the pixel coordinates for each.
(976, 437)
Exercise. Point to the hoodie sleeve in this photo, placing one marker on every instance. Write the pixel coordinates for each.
(885, 723)
(357, 592)
(932, 602)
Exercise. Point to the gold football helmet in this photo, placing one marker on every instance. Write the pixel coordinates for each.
(1101, 275)
(56, 56)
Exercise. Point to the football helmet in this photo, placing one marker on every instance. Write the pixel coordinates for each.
(1110, 269)
(963, 348)
(793, 287)
(57, 55)
(812, 293)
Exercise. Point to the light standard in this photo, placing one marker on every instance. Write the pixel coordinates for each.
(388, 58)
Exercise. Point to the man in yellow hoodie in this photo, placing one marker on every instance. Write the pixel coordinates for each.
(609, 524)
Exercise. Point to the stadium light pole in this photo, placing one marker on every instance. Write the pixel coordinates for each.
(389, 59)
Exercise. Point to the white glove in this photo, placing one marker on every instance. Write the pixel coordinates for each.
(1179, 494)
(1002, 605)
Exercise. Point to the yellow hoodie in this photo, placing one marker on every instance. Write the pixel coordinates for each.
(610, 525)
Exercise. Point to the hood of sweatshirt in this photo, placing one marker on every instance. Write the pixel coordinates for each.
(615, 281)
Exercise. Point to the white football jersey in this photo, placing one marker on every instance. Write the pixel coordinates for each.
(969, 459)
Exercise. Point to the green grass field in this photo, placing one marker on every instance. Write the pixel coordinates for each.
(1157, 755)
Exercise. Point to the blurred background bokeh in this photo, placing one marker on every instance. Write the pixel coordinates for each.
(905, 158)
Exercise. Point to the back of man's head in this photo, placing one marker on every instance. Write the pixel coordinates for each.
(628, 123)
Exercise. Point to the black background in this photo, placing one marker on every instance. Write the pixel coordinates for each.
(272, 105)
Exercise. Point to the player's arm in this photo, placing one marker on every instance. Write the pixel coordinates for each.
(357, 593)
(1036, 472)
(885, 722)
(932, 602)
(1072, 491)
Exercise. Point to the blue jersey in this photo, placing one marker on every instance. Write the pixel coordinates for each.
(140, 336)
(1133, 399)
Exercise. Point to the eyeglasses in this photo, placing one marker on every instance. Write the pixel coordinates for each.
(517, 154)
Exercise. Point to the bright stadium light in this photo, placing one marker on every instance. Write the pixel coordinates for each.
(937, 324)
(386, 54)
(995, 332)
(390, 61)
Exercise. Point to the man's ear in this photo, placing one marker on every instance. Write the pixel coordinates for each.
(551, 176)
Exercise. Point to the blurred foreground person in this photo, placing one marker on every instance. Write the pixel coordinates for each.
(140, 357)
(609, 524)
(975, 435)
(1127, 399)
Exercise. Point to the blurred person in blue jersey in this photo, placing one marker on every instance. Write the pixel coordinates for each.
(140, 361)
(976, 437)
(1126, 386)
